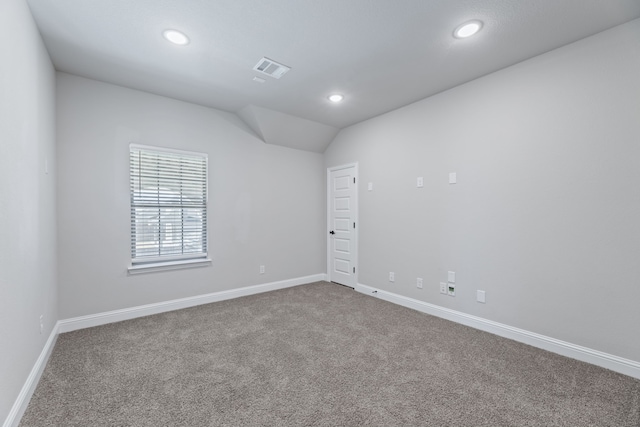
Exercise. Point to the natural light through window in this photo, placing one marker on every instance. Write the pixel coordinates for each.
(168, 205)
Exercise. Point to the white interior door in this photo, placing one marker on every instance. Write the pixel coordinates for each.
(342, 217)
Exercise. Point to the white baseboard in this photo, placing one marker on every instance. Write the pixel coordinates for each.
(595, 357)
(68, 325)
(21, 403)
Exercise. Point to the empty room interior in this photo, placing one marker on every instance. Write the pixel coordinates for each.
(305, 212)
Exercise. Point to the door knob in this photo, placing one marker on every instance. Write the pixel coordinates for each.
(332, 232)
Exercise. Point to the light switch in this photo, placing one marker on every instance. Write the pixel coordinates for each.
(451, 277)
(453, 178)
(420, 182)
(370, 186)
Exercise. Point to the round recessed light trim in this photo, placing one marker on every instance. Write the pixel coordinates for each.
(467, 29)
(176, 37)
(336, 97)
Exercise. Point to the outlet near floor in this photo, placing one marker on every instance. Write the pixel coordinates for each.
(419, 283)
(443, 288)
(392, 276)
(262, 269)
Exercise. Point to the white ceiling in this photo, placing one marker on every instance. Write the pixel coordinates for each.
(381, 54)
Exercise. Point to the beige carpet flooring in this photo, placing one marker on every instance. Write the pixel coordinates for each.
(317, 355)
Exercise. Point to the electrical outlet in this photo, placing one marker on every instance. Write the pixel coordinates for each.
(420, 182)
(262, 269)
(443, 288)
(41, 323)
(419, 283)
(392, 276)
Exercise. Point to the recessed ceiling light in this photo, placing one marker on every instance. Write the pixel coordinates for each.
(175, 36)
(336, 97)
(467, 29)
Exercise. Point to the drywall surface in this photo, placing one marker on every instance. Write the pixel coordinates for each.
(27, 199)
(545, 214)
(265, 202)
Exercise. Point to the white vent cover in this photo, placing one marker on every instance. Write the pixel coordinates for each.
(271, 68)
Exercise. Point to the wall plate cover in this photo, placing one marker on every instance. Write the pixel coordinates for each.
(480, 296)
(443, 288)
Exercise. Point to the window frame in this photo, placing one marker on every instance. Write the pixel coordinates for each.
(175, 261)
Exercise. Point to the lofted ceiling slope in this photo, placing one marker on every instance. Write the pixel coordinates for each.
(283, 129)
(380, 54)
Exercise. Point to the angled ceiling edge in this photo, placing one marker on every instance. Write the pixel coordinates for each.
(248, 116)
(286, 130)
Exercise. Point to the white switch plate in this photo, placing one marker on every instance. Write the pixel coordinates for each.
(370, 186)
(451, 277)
(419, 283)
(420, 182)
(392, 276)
(480, 296)
(453, 178)
(262, 269)
(443, 288)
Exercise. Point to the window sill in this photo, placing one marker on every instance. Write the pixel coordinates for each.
(169, 265)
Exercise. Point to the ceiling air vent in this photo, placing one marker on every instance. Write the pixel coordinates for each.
(271, 68)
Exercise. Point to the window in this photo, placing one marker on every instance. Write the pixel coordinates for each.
(168, 207)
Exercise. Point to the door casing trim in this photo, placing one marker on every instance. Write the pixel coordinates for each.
(357, 218)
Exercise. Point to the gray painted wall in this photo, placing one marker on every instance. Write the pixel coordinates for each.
(266, 203)
(545, 216)
(27, 199)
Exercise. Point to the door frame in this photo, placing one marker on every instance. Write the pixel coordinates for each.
(356, 219)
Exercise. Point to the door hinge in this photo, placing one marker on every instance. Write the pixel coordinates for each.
(354, 269)
(354, 225)
(354, 179)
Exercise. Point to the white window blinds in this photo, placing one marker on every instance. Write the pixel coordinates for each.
(168, 204)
